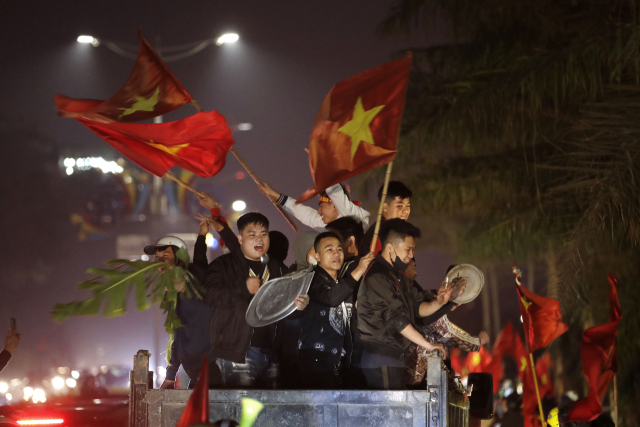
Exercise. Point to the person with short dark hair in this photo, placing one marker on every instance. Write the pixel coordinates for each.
(279, 246)
(325, 337)
(333, 203)
(397, 204)
(388, 306)
(245, 355)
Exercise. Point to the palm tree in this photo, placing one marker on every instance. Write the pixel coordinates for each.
(524, 132)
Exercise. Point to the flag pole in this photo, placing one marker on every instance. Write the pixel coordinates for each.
(535, 382)
(615, 398)
(255, 178)
(182, 183)
(382, 200)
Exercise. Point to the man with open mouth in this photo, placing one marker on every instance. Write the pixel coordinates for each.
(245, 355)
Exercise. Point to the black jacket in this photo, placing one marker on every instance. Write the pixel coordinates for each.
(226, 285)
(323, 329)
(191, 341)
(4, 358)
(387, 303)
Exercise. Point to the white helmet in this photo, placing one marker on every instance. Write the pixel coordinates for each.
(165, 241)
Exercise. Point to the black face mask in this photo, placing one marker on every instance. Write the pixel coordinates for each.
(398, 264)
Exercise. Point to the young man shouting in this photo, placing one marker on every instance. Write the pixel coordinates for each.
(244, 354)
(325, 337)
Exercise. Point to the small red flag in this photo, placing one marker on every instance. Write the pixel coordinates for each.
(357, 126)
(197, 409)
(505, 345)
(198, 143)
(541, 317)
(456, 360)
(599, 361)
(150, 91)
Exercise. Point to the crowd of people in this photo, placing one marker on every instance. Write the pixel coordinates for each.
(364, 323)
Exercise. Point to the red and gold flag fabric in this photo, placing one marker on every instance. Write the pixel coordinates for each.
(198, 143)
(196, 411)
(599, 361)
(541, 318)
(357, 126)
(543, 367)
(150, 91)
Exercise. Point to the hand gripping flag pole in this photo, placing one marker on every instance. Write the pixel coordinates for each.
(383, 197)
(255, 178)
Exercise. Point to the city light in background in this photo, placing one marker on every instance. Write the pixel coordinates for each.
(83, 164)
(239, 205)
(227, 38)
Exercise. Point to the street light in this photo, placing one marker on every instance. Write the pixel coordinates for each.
(88, 39)
(227, 38)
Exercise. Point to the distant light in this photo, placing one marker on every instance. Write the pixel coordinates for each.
(57, 383)
(43, 422)
(211, 241)
(519, 389)
(9, 397)
(239, 175)
(227, 38)
(144, 257)
(239, 206)
(71, 383)
(97, 401)
(63, 370)
(39, 396)
(69, 162)
(88, 39)
(104, 369)
(4, 387)
(27, 392)
(244, 126)
(69, 170)
(75, 374)
(521, 319)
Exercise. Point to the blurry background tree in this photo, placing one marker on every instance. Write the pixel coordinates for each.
(523, 136)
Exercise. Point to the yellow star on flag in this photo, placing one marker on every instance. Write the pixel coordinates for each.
(523, 364)
(358, 127)
(143, 104)
(172, 150)
(526, 303)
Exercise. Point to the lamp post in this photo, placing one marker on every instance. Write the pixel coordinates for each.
(157, 201)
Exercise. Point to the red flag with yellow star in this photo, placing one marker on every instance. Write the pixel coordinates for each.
(198, 143)
(150, 91)
(196, 411)
(598, 352)
(541, 318)
(357, 126)
(543, 366)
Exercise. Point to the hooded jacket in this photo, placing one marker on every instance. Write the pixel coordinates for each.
(226, 285)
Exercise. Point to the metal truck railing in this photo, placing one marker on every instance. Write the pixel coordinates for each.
(437, 406)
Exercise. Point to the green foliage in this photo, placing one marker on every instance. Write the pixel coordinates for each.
(152, 283)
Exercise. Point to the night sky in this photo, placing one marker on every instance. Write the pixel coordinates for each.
(289, 56)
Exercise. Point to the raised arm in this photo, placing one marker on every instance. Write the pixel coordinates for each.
(306, 215)
(346, 207)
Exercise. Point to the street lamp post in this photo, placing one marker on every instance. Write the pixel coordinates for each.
(157, 201)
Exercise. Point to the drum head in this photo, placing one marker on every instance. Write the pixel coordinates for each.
(274, 299)
(475, 281)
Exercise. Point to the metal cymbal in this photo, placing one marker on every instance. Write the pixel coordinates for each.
(475, 281)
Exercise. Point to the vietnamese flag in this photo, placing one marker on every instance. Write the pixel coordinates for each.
(541, 318)
(357, 126)
(545, 385)
(599, 361)
(196, 410)
(198, 143)
(150, 91)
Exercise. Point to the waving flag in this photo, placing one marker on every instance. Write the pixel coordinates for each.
(198, 143)
(598, 351)
(541, 317)
(357, 126)
(196, 410)
(543, 366)
(150, 91)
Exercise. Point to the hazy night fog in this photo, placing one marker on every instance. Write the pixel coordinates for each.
(289, 55)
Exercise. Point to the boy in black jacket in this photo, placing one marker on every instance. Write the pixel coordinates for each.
(244, 354)
(325, 336)
(388, 306)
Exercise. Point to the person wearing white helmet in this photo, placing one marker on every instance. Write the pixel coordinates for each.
(191, 341)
